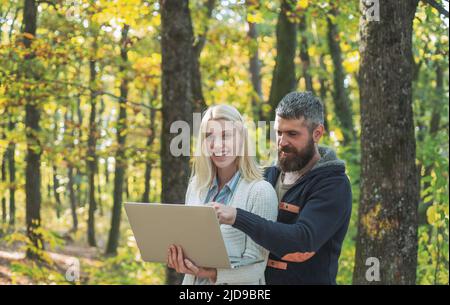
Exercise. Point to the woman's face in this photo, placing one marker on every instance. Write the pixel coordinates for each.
(222, 141)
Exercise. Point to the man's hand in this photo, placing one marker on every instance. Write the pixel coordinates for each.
(176, 260)
(225, 214)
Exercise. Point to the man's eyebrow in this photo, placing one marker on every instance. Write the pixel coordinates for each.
(287, 130)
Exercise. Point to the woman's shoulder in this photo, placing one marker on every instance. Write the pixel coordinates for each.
(260, 187)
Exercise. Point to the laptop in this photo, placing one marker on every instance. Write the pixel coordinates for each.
(195, 228)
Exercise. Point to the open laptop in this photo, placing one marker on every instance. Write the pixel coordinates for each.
(195, 228)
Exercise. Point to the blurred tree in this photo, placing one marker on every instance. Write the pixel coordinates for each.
(284, 80)
(121, 162)
(34, 149)
(342, 105)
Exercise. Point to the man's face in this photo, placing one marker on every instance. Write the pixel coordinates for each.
(295, 144)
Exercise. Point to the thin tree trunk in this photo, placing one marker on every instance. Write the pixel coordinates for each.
(55, 172)
(323, 92)
(69, 127)
(55, 192)
(121, 162)
(148, 161)
(255, 71)
(304, 54)
(78, 172)
(342, 105)
(91, 155)
(283, 80)
(387, 226)
(97, 166)
(12, 174)
(198, 99)
(176, 45)
(3, 172)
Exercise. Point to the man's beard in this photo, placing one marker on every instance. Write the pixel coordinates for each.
(298, 159)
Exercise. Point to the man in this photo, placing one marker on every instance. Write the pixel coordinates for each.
(314, 196)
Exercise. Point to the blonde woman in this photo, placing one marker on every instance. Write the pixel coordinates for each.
(225, 172)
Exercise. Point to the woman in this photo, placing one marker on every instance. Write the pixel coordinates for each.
(224, 172)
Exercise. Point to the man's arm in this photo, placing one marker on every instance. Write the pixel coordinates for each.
(328, 207)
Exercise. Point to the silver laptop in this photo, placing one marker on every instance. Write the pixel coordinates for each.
(195, 228)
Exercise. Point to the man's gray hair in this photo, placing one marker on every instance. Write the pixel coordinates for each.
(296, 105)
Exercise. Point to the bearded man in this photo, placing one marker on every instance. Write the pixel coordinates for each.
(315, 200)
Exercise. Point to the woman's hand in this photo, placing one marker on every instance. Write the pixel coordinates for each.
(176, 260)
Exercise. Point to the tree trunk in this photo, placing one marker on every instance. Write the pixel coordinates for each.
(97, 166)
(78, 172)
(283, 80)
(176, 45)
(387, 227)
(3, 172)
(342, 105)
(304, 54)
(12, 174)
(69, 130)
(198, 100)
(148, 161)
(55, 179)
(323, 93)
(255, 71)
(91, 153)
(33, 158)
(121, 162)
(55, 191)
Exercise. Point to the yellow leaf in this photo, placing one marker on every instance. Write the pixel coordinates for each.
(432, 215)
(302, 4)
(254, 18)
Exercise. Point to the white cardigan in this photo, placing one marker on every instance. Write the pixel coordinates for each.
(257, 197)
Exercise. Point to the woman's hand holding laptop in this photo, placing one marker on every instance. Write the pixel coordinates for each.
(176, 260)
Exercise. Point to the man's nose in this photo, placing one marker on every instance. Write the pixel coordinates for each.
(282, 141)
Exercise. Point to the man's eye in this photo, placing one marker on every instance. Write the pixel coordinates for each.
(292, 134)
(279, 133)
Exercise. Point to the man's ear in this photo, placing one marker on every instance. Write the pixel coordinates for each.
(318, 133)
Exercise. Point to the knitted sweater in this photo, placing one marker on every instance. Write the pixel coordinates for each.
(257, 197)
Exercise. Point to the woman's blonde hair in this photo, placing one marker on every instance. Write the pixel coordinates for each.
(203, 170)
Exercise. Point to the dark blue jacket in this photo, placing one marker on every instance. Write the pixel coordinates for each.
(308, 238)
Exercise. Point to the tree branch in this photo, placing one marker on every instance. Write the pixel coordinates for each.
(437, 6)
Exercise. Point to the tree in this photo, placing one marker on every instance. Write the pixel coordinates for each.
(342, 105)
(304, 54)
(176, 48)
(150, 138)
(198, 99)
(121, 162)
(32, 117)
(254, 62)
(283, 80)
(91, 160)
(387, 226)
